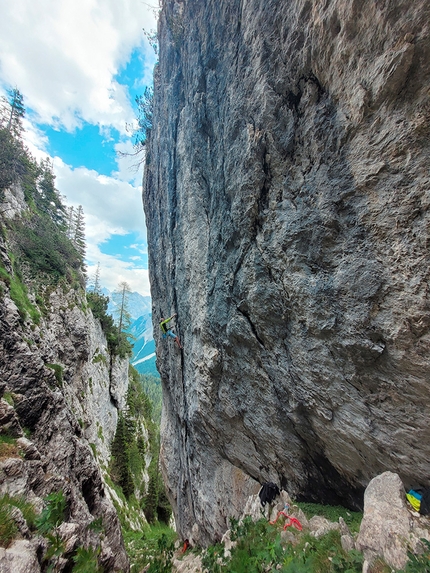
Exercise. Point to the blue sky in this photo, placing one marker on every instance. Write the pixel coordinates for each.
(79, 65)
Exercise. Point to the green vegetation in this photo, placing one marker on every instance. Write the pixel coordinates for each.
(332, 513)
(53, 514)
(8, 527)
(128, 453)
(58, 370)
(153, 545)
(145, 108)
(419, 563)
(47, 244)
(96, 525)
(99, 358)
(19, 295)
(260, 548)
(86, 561)
(42, 240)
(152, 388)
(117, 341)
(8, 397)
(100, 432)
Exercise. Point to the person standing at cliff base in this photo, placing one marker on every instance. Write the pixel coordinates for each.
(168, 331)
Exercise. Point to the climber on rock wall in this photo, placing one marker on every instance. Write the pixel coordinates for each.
(168, 331)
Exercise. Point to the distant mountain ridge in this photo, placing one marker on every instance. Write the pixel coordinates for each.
(137, 304)
(140, 309)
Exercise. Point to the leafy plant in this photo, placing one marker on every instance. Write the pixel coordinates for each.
(86, 560)
(8, 396)
(162, 561)
(53, 514)
(96, 525)
(213, 559)
(19, 295)
(55, 549)
(144, 546)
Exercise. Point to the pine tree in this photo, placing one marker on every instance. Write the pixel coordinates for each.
(12, 112)
(120, 465)
(49, 199)
(78, 237)
(77, 233)
(95, 285)
(70, 222)
(123, 315)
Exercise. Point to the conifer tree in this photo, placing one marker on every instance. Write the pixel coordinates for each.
(96, 280)
(120, 467)
(12, 112)
(123, 315)
(70, 222)
(49, 199)
(78, 237)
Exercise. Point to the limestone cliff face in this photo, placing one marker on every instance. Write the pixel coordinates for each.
(286, 196)
(61, 402)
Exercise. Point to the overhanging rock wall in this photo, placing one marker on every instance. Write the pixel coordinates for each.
(286, 195)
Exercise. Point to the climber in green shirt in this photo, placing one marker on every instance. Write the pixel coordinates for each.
(168, 331)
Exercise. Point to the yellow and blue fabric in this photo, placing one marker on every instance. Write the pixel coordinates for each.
(414, 499)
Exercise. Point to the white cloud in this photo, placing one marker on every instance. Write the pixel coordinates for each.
(63, 56)
(113, 271)
(111, 207)
(110, 204)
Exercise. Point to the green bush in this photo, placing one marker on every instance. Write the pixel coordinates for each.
(53, 514)
(18, 293)
(86, 561)
(260, 549)
(152, 546)
(96, 525)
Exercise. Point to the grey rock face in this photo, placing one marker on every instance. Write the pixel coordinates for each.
(286, 195)
(62, 415)
(20, 557)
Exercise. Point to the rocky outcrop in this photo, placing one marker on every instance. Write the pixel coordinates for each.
(60, 402)
(390, 528)
(388, 531)
(286, 197)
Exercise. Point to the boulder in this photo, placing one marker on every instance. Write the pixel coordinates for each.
(20, 557)
(387, 525)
